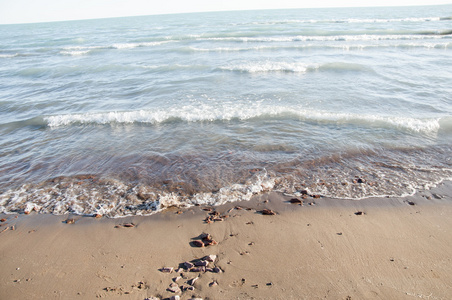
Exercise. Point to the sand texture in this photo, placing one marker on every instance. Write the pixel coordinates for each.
(381, 248)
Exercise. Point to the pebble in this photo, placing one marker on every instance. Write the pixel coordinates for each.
(70, 221)
(166, 270)
(201, 263)
(210, 258)
(176, 297)
(188, 265)
(213, 283)
(198, 269)
(198, 243)
(296, 201)
(192, 281)
(188, 288)
(359, 213)
(268, 212)
(174, 288)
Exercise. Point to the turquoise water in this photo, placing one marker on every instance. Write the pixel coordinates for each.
(129, 115)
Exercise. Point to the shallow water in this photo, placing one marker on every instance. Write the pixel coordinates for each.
(130, 115)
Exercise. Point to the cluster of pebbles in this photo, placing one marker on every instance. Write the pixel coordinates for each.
(184, 281)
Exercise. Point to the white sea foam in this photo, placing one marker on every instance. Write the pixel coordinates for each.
(75, 53)
(350, 20)
(113, 198)
(269, 66)
(9, 55)
(326, 38)
(213, 113)
(82, 50)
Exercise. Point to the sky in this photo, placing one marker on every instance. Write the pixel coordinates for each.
(33, 11)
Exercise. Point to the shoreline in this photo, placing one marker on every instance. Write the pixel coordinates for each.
(392, 250)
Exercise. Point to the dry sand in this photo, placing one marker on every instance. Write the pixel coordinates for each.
(393, 250)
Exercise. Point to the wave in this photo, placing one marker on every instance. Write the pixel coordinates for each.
(359, 37)
(365, 36)
(294, 67)
(354, 20)
(297, 47)
(264, 67)
(83, 50)
(88, 195)
(242, 112)
(9, 55)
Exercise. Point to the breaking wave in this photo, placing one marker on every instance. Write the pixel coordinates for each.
(211, 114)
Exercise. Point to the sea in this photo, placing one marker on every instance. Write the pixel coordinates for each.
(131, 116)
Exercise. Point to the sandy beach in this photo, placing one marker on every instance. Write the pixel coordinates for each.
(380, 248)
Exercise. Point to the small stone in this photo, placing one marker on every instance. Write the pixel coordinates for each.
(268, 212)
(188, 265)
(296, 201)
(3, 220)
(174, 288)
(213, 283)
(175, 297)
(359, 213)
(205, 237)
(188, 288)
(210, 258)
(339, 233)
(269, 284)
(210, 243)
(192, 281)
(166, 270)
(411, 203)
(175, 279)
(97, 216)
(198, 269)
(217, 270)
(128, 225)
(70, 221)
(201, 263)
(198, 243)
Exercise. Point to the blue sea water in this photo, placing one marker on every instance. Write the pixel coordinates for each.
(131, 115)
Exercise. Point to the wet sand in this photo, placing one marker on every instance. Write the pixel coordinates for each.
(380, 248)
